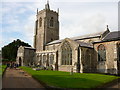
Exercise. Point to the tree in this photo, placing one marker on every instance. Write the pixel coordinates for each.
(9, 52)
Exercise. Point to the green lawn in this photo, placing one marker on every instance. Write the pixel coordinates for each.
(65, 80)
(2, 68)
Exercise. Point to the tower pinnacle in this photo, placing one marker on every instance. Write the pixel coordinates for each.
(107, 27)
(47, 1)
(47, 7)
(37, 10)
(58, 11)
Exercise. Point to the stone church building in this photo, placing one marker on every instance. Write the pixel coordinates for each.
(97, 52)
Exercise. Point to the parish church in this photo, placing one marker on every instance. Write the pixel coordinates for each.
(96, 52)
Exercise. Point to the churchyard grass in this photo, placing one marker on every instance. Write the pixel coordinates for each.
(2, 68)
(65, 80)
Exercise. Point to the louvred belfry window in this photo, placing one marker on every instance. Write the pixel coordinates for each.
(40, 22)
(51, 22)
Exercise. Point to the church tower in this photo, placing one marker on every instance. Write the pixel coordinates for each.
(46, 27)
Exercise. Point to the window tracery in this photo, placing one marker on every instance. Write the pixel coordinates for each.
(66, 54)
(118, 51)
(51, 59)
(40, 59)
(101, 53)
(44, 59)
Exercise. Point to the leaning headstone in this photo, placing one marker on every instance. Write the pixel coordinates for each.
(42, 67)
(71, 72)
(37, 69)
(34, 68)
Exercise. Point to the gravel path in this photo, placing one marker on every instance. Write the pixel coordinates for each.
(16, 78)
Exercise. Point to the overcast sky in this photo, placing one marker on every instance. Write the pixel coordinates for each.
(76, 17)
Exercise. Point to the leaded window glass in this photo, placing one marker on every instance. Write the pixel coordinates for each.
(40, 59)
(47, 60)
(66, 54)
(101, 53)
(44, 59)
(51, 59)
(118, 51)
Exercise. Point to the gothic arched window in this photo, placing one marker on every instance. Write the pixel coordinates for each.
(44, 59)
(40, 22)
(40, 59)
(51, 22)
(37, 56)
(118, 51)
(51, 59)
(47, 60)
(101, 53)
(66, 54)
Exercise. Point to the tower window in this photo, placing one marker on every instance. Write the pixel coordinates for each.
(51, 22)
(40, 22)
(101, 53)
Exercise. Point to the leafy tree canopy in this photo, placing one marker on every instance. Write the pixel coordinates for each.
(9, 52)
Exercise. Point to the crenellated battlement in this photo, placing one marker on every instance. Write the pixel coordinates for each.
(44, 10)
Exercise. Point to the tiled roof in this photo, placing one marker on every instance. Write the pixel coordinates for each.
(55, 42)
(78, 38)
(84, 44)
(112, 36)
(29, 48)
(87, 36)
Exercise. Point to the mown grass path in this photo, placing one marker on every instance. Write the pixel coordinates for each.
(13, 78)
(65, 80)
